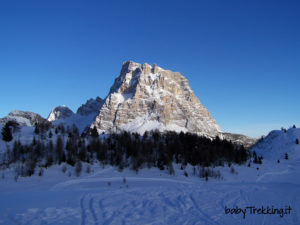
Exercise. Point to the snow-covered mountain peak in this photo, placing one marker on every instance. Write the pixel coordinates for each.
(129, 66)
(60, 112)
(20, 113)
(150, 93)
(128, 78)
(23, 118)
(83, 118)
(134, 76)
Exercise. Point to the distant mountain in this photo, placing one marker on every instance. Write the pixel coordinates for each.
(83, 118)
(240, 139)
(92, 106)
(23, 118)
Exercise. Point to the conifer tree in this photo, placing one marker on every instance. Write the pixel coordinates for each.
(33, 141)
(50, 134)
(94, 132)
(78, 168)
(60, 155)
(36, 128)
(6, 133)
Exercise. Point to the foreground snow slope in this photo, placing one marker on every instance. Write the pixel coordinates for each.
(151, 196)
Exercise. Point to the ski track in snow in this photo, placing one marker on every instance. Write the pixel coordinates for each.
(151, 197)
(83, 214)
(88, 212)
(158, 205)
(187, 204)
(97, 180)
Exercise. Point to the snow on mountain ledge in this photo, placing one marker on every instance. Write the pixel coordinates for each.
(143, 124)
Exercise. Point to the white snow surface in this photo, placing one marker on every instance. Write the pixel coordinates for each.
(142, 124)
(153, 196)
(277, 143)
(80, 121)
(120, 98)
(149, 197)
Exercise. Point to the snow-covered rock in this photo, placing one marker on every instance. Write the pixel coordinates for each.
(82, 119)
(153, 98)
(23, 118)
(91, 106)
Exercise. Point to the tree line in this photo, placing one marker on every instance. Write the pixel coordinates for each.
(122, 149)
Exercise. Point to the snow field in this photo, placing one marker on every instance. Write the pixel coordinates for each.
(149, 197)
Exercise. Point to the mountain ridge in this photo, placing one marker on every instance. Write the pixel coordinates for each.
(144, 98)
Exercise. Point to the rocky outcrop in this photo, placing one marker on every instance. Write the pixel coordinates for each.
(151, 94)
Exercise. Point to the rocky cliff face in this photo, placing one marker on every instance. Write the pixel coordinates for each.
(147, 97)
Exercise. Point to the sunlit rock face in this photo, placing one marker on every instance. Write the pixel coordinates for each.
(146, 97)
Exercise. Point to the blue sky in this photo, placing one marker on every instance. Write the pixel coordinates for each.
(242, 58)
